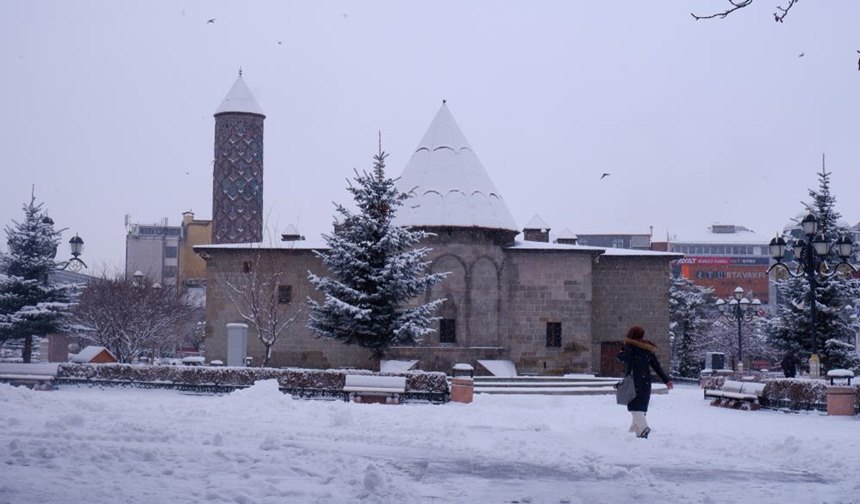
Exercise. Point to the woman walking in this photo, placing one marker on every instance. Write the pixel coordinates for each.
(639, 357)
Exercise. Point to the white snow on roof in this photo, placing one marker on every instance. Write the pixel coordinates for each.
(535, 245)
(314, 244)
(537, 223)
(742, 236)
(567, 234)
(290, 230)
(451, 187)
(604, 251)
(240, 99)
(88, 353)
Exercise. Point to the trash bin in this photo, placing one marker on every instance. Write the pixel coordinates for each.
(840, 400)
(462, 383)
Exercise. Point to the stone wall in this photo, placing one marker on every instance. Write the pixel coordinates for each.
(548, 286)
(298, 347)
(630, 290)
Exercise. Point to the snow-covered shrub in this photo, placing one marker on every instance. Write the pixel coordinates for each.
(796, 394)
(330, 381)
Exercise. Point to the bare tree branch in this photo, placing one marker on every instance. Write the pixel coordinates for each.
(784, 11)
(779, 15)
(255, 295)
(739, 4)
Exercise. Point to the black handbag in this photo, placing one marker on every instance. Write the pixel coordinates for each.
(625, 391)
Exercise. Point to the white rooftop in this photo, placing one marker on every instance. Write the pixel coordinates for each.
(451, 187)
(742, 235)
(88, 353)
(536, 223)
(567, 234)
(240, 99)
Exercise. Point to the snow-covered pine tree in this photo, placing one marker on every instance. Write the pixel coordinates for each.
(29, 305)
(691, 312)
(790, 329)
(377, 272)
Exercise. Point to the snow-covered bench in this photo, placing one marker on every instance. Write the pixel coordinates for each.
(33, 381)
(373, 388)
(736, 394)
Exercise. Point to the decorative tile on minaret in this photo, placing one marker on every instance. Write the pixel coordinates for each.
(237, 181)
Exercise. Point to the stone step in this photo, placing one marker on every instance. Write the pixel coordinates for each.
(544, 385)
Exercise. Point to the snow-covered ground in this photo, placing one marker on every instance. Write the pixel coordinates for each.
(261, 446)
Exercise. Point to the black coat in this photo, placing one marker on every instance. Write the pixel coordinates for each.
(639, 358)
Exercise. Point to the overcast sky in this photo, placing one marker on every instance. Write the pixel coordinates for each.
(108, 107)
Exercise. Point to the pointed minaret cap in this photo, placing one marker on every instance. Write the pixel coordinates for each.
(240, 99)
(451, 187)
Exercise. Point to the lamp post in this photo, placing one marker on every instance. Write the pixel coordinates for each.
(738, 308)
(75, 263)
(811, 256)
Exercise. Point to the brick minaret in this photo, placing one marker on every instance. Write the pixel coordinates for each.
(237, 181)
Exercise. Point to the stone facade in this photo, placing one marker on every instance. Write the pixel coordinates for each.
(237, 189)
(501, 296)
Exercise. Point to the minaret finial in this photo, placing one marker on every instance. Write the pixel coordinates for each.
(240, 71)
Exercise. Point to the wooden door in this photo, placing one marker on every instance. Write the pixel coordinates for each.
(609, 363)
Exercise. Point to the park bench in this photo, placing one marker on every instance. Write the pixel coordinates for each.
(736, 394)
(374, 389)
(33, 381)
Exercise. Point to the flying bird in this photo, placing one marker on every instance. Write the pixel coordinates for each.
(210, 21)
(280, 42)
(604, 176)
(800, 55)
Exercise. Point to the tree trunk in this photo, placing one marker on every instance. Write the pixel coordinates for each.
(27, 353)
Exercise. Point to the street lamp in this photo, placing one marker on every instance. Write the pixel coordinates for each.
(738, 308)
(137, 278)
(811, 257)
(75, 263)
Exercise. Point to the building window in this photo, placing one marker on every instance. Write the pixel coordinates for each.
(553, 334)
(170, 252)
(247, 266)
(447, 330)
(285, 294)
(169, 271)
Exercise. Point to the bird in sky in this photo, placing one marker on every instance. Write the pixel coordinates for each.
(800, 55)
(280, 42)
(210, 21)
(604, 175)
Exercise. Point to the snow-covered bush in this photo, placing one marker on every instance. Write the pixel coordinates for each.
(305, 381)
(796, 394)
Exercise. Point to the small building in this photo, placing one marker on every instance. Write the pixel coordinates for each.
(93, 355)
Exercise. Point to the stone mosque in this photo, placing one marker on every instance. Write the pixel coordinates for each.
(547, 307)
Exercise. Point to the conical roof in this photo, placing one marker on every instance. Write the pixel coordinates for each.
(451, 187)
(240, 99)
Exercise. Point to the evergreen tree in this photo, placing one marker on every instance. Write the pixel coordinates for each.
(790, 329)
(29, 305)
(377, 272)
(691, 312)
